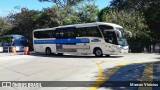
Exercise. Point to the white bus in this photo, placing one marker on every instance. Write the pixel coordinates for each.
(97, 38)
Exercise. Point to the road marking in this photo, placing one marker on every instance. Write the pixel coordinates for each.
(147, 76)
(102, 78)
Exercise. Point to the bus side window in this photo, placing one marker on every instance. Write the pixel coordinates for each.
(71, 33)
(39, 34)
(81, 32)
(36, 34)
(78, 33)
(64, 33)
(105, 27)
(88, 31)
(93, 31)
(50, 34)
(42, 34)
(57, 33)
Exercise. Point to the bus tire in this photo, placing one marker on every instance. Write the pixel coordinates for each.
(48, 51)
(98, 52)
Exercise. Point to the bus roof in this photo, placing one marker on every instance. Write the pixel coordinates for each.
(82, 25)
(98, 23)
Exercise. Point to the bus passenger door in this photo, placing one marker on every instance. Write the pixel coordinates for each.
(110, 38)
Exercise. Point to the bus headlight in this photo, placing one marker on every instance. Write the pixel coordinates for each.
(124, 49)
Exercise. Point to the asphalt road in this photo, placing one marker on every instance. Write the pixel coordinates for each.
(94, 72)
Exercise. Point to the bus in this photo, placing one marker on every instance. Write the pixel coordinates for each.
(99, 38)
(7, 41)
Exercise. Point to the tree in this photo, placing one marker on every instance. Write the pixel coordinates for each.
(24, 23)
(151, 14)
(150, 10)
(132, 21)
(83, 13)
(5, 25)
(88, 13)
(49, 17)
(65, 3)
(74, 11)
(127, 5)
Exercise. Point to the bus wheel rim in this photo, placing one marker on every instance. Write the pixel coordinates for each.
(98, 52)
(48, 51)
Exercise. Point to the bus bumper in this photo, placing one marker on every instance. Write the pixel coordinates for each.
(124, 49)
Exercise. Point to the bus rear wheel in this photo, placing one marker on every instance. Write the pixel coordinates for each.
(98, 52)
(48, 51)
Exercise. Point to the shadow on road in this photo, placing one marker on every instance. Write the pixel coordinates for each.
(72, 56)
(122, 78)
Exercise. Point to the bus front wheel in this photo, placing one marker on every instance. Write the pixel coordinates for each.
(48, 51)
(98, 52)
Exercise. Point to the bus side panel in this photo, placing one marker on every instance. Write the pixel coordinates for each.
(85, 46)
(38, 47)
(51, 46)
(96, 42)
(107, 48)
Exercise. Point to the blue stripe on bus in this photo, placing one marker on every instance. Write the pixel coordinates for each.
(60, 41)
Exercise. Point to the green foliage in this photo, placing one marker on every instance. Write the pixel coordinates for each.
(25, 22)
(150, 10)
(48, 17)
(65, 3)
(72, 11)
(132, 21)
(5, 25)
(88, 13)
(151, 14)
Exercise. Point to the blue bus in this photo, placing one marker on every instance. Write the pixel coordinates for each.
(18, 41)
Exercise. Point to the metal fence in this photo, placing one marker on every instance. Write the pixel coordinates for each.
(6, 49)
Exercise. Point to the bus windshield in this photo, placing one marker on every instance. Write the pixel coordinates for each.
(121, 40)
(109, 34)
(112, 36)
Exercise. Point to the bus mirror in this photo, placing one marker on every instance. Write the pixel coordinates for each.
(128, 32)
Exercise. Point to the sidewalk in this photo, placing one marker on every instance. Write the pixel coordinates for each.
(11, 56)
(5, 54)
